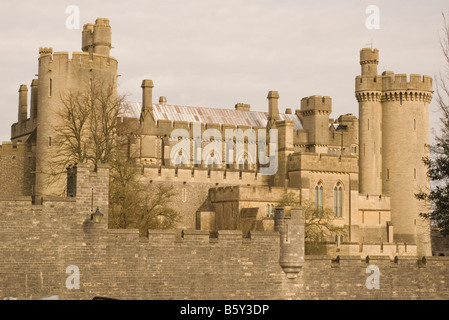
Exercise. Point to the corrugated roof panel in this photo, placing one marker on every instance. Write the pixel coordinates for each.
(208, 115)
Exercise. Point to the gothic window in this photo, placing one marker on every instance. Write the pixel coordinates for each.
(338, 197)
(270, 210)
(319, 196)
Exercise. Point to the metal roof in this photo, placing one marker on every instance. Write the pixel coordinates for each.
(208, 115)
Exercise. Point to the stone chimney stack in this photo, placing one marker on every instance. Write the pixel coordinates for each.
(23, 103)
(33, 103)
(273, 109)
(147, 95)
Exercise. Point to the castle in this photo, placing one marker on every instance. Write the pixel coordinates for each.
(366, 170)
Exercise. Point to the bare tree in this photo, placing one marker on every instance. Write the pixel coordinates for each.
(90, 130)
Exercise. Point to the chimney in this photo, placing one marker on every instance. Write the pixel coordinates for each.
(162, 100)
(242, 107)
(33, 102)
(273, 109)
(23, 103)
(147, 95)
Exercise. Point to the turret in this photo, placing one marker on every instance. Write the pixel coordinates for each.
(405, 129)
(289, 222)
(96, 38)
(368, 93)
(369, 59)
(102, 37)
(315, 111)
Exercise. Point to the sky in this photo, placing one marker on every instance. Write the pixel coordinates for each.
(218, 53)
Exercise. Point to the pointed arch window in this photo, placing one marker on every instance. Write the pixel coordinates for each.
(338, 200)
(319, 196)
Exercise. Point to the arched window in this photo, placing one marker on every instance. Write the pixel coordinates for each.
(338, 200)
(270, 210)
(319, 197)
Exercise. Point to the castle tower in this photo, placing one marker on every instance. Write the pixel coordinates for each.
(315, 111)
(405, 128)
(59, 75)
(96, 38)
(368, 91)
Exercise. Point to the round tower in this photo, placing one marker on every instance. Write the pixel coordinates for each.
(60, 74)
(405, 127)
(102, 37)
(368, 91)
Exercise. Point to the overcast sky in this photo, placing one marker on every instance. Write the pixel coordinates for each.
(217, 53)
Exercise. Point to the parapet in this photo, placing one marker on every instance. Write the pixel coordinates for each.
(45, 51)
(11, 149)
(399, 82)
(317, 103)
(81, 60)
(368, 83)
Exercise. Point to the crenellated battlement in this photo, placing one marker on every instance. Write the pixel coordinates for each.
(368, 83)
(202, 174)
(204, 237)
(13, 149)
(400, 82)
(316, 103)
(323, 162)
(82, 60)
(394, 87)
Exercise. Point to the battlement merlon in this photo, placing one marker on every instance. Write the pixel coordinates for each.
(368, 83)
(319, 103)
(399, 82)
(8, 148)
(78, 60)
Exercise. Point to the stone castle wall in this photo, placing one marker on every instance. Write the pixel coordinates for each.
(16, 166)
(40, 242)
(43, 243)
